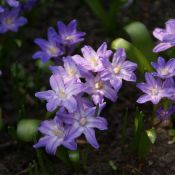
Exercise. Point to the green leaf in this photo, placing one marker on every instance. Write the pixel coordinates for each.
(74, 157)
(144, 145)
(41, 162)
(171, 132)
(141, 38)
(18, 42)
(138, 128)
(43, 66)
(98, 9)
(62, 154)
(152, 135)
(133, 54)
(27, 129)
(112, 165)
(141, 142)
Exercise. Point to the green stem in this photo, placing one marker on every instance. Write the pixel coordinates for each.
(41, 163)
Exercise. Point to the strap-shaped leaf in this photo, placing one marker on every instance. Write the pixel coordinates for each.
(144, 145)
(99, 11)
(133, 54)
(152, 135)
(141, 38)
(27, 129)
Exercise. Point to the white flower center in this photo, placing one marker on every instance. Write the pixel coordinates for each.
(69, 37)
(62, 94)
(71, 72)
(154, 91)
(117, 69)
(52, 50)
(57, 132)
(9, 21)
(94, 61)
(164, 71)
(83, 121)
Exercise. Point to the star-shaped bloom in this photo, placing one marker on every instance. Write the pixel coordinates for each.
(49, 49)
(99, 89)
(164, 70)
(163, 114)
(171, 86)
(69, 34)
(62, 94)
(10, 20)
(154, 89)
(119, 69)
(69, 71)
(83, 121)
(92, 60)
(13, 3)
(55, 135)
(165, 36)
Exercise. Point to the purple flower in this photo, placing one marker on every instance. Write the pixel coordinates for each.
(10, 20)
(13, 3)
(28, 5)
(99, 89)
(154, 89)
(50, 48)
(83, 121)
(69, 72)
(119, 69)
(165, 114)
(1, 9)
(164, 70)
(91, 59)
(165, 36)
(171, 87)
(62, 94)
(69, 34)
(55, 134)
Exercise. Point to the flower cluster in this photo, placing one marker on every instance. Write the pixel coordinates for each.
(59, 44)
(163, 85)
(10, 19)
(79, 88)
(159, 84)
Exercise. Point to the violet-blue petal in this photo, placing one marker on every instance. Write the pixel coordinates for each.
(90, 136)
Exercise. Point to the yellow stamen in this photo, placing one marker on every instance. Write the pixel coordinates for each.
(62, 94)
(71, 72)
(117, 69)
(57, 132)
(83, 121)
(99, 85)
(94, 60)
(9, 21)
(52, 50)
